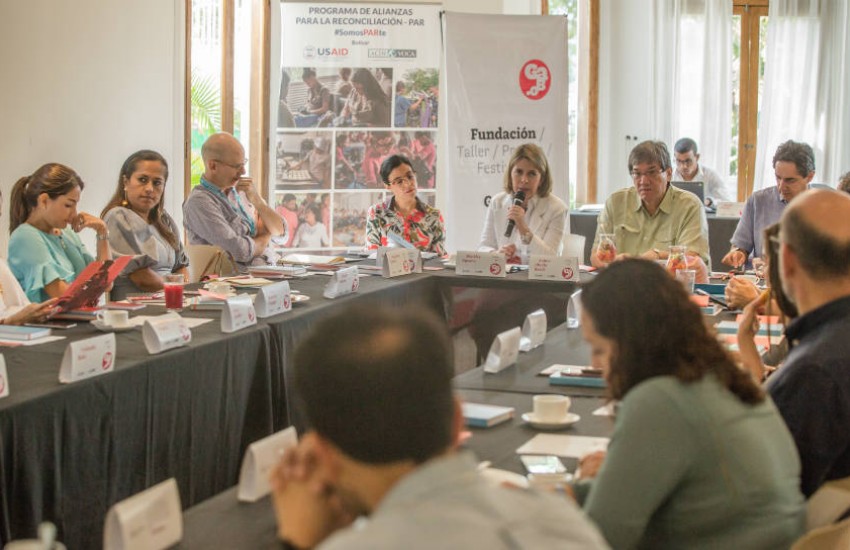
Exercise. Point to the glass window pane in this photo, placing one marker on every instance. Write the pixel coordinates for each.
(206, 78)
(570, 9)
(242, 76)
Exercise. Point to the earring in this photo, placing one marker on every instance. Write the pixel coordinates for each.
(124, 202)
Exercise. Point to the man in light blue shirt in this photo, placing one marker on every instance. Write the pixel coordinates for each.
(794, 166)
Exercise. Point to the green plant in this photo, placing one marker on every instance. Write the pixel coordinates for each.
(206, 118)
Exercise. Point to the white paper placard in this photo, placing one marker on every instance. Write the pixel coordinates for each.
(238, 313)
(504, 351)
(273, 299)
(150, 520)
(572, 446)
(165, 332)
(87, 358)
(345, 281)
(260, 458)
(553, 268)
(401, 261)
(533, 330)
(481, 264)
(730, 209)
(4, 377)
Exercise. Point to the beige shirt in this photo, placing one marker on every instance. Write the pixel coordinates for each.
(679, 220)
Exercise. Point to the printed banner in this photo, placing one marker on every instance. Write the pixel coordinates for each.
(359, 82)
(507, 76)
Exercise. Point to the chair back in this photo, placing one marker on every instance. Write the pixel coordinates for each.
(574, 247)
(206, 259)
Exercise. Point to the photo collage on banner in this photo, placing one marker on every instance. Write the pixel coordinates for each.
(358, 83)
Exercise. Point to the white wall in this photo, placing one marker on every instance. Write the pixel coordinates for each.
(86, 83)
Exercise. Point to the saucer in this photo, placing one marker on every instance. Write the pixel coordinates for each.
(111, 328)
(567, 421)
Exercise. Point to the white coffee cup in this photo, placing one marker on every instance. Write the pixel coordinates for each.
(113, 317)
(551, 408)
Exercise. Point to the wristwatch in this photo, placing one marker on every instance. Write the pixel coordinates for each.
(526, 237)
(104, 237)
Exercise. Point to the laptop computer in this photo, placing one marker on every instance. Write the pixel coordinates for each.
(695, 187)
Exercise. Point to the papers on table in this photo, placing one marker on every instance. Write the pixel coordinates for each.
(15, 343)
(574, 446)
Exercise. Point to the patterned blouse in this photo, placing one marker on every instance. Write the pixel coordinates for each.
(424, 228)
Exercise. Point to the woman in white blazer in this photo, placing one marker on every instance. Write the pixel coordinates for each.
(539, 221)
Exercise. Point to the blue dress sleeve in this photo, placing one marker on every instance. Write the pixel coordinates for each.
(36, 262)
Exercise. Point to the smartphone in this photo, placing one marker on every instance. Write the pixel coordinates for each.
(53, 324)
(545, 464)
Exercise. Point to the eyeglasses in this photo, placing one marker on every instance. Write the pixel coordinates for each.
(401, 180)
(651, 174)
(237, 167)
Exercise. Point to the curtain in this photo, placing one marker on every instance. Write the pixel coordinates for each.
(806, 84)
(693, 78)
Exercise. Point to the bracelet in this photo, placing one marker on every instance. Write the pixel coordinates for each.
(104, 237)
(526, 238)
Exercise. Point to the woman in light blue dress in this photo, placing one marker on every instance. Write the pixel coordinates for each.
(45, 252)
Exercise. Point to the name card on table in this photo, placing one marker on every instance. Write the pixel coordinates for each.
(150, 519)
(86, 358)
(260, 458)
(4, 377)
(533, 330)
(401, 261)
(166, 332)
(553, 268)
(345, 281)
(504, 351)
(482, 264)
(238, 313)
(730, 209)
(273, 299)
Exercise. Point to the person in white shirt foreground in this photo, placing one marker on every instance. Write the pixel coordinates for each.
(383, 444)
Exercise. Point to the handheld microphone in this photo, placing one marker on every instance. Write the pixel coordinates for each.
(519, 198)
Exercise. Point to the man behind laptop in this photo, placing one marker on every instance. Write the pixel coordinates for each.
(384, 425)
(688, 168)
(812, 389)
(224, 212)
(650, 216)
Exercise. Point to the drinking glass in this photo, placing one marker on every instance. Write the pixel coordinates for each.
(173, 285)
(606, 250)
(677, 258)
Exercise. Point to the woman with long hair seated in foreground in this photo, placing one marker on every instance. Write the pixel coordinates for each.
(45, 254)
(699, 458)
(139, 226)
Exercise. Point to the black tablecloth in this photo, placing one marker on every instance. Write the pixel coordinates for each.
(68, 452)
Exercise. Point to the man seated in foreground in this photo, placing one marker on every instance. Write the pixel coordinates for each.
(812, 389)
(384, 426)
(688, 168)
(794, 167)
(225, 212)
(649, 217)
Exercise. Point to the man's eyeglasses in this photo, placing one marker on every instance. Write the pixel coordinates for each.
(237, 167)
(401, 180)
(651, 174)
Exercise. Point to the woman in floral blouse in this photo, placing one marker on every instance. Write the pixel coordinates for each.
(404, 213)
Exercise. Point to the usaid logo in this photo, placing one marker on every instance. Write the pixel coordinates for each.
(309, 52)
(332, 52)
(535, 79)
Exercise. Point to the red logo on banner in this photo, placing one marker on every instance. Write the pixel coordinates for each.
(567, 273)
(535, 79)
(107, 360)
(495, 269)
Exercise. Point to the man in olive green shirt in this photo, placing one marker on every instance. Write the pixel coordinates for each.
(652, 215)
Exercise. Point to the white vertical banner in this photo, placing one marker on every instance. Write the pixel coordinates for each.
(507, 79)
(358, 82)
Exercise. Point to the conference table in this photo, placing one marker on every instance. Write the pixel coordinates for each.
(223, 521)
(70, 451)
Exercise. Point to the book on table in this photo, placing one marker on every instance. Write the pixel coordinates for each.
(479, 415)
(311, 259)
(14, 332)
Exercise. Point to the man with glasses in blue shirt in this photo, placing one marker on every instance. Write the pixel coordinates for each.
(650, 216)
(224, 212)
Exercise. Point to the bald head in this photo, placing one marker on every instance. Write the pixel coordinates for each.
(815, 227)
(224, 159)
